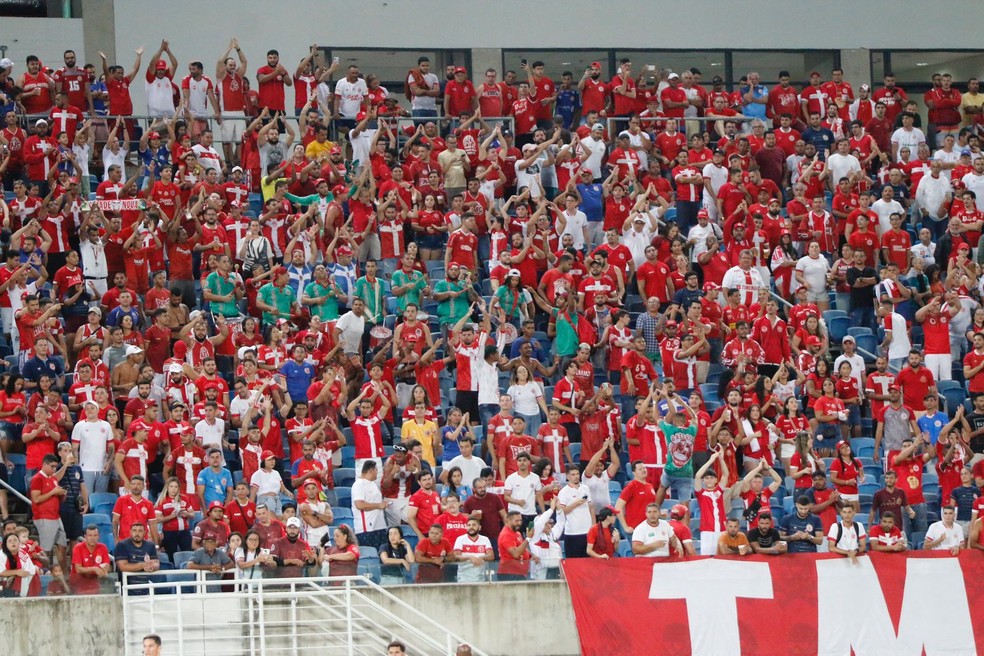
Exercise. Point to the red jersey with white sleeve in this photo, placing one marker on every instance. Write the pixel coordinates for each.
(133, 511)
(136, 455)
(553, 442)
(878, 383)
(690, 191)
(936, 330)
(368, 436)
(468, 358)
(713, 516)
(187, 463)
(566, 392)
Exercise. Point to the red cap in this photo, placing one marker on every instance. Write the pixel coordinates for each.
(339, 190)
(671, 322)
(336, 149)
(235, 203)
(614, 510)
(842, 443)
(161, 65)
(678, 511)
(595, 64)
(154, 135)
(817, 73)
(266, 455)
(711, 286)
(702, 214)
(180, 350)
(360, 116)
(211, 384)
(73, 180)
(894, 388)
(586, 171)
(344, 249)
(319, 181)
(460, 69)
(812, 340)
(280, 271)
(216, 504)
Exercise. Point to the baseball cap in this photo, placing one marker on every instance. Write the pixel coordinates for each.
(672, 76)
(294, 521)
(154, 135)
(161, 65)
(6, 62)
(513, 272)
(133, 349)
(894, 388)
(587, 172)
(266, 455)
(210, 536)
(337, 150)
(280, 271)
(702, 214)
(320, 181)
(359, 116)
(460, 69)
(528, 147)
(93, 403)
(399, 448)
(624, 134)
(671, 323)
(40, 121)
(812, 340)
(216, 504)
(595, 64)
(344, 249)
(236, 168)
(848, 338)
(98, 311)
(841, 443)
(175, 368)
(678, 511)
(235, 203)
(865, 87)
(597, 126)
(711, 286)
(814, 73)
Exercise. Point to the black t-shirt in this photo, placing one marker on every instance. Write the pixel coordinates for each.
(399, 551)
(976, 420)
(765, 540)
(861, 296)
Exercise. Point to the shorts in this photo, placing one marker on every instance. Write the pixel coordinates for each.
(50, 533)
(817, 297)
(314, 535)
(396, 512)
(430, 242)
(467, 402)
(709, 542)
(72, 521)
(849, 497)
(232, 129)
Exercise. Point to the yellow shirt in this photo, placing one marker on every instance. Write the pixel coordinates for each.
(968, 100)
(315, 150)
(425, 433)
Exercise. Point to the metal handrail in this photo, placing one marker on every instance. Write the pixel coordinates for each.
(17, 494)
(422, 627)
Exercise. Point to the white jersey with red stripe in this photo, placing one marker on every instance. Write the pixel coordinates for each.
(468, 357)
(713, 515)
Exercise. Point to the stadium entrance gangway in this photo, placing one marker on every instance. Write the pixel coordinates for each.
(339, 616)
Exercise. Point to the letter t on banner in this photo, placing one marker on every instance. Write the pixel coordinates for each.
(711, 588)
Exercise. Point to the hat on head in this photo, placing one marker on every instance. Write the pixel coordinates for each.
(672, 76)
(597, 126)
(711, 286)
(586, 171)
(320, 181)
(215, 504)
(336, 149)
(236, 168)
(399, 448)
(812, 340)
(513, 272)
(210, 536)
(638, 219)
(40, 122)
(235, 203)
(894, 388)
(460, 69)
(294, 521)
(266, 455)
(360, 116)
(528, 147)
(154, 135)
(624, 134)
(280, 271)
(161, 65)
(90, 402)
(702, 214)
(678, 511)
(595, 64)
(96, 310)
(175, 368)
(841, 443)
(133, 349)
(848, 338)
(671, 323)
(865, 87)
(6, 63)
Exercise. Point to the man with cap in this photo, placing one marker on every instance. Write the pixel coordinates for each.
(40, 155)
(851, 356)
(680, 523)
(459, 94)
(624, 157)
(186, 461)
(209, 559)
(595, 146)
(897, 423)
(292, 553)
(212, 527)
(92, 439)
(124, 375)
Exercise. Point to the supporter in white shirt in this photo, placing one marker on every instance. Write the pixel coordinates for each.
(424, 103)
(574, 500)
(947, 155)
(847, 537)
(697, 235)
(594, 144)
(745, 278)
(349, 94)
(368, 507)
(573, 222)
(715, 174)
(653, 538)
(90, 437)
(925, 248)
(885, 207)
(640, 234)
(974, 181)
(842, 163)
(934, 193)
(350, 328)
(896, 334)
(521, 487)
(945, 535)
(208, 156)
(472, 551)
(906, 136)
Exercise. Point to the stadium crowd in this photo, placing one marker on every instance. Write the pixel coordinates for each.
(288, 326)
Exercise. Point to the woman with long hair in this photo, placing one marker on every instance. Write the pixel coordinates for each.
(813, 388)
(783, 263)
(602, 537)
(511, 300)
(250, 558)
(829, 413)
(805, 461)
(527, 396)
(273, 354)
(396, 557)
(13, 409)
(174, 513)
(419, 395)
(342, 558)
(754, 437)
(18, 573)
(790, 424)
(429, 228)
(811, 328)
(846, 473)
(456, 485)
(131, 336)
(266, 485)
(457, 425)
(543, 469)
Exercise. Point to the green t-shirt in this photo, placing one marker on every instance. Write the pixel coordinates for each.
(450, 310)
(510, 303)
(372, 295)
(222, 286)
(327, 311)
(401, 278)
(679, 449)
(281, 298)
(566, 341)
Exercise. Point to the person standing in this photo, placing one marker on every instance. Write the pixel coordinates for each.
(654, 538)
(574, 500)
(368, 507)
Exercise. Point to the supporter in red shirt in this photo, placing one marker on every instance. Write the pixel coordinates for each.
(272, 79)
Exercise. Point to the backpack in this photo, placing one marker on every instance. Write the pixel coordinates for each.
(840, 532)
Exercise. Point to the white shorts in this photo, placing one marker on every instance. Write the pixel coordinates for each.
(939, 366)
(314, 535)
(396, 512)
(7, 319)
(709, 542)
(232, 129)
(817, 297)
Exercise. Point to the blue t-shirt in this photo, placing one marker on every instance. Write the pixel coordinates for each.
(568, 102)
(126, 551)
(592, 201)
(161, 156)
(215, 484)
(299, 377)
(451, 448)
(965, 496)
(793, 523)
(821, 138)
(299, 277)
(36, 367)
(116, 316)
(755, 110)
(98, 104)
(932, 425)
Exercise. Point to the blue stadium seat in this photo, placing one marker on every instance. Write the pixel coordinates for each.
(828, 315)
(614, 486)
(916, 540)
(100, 498)
(837, 327)
(341, 514)
(181, 558)
(344, 476)
(99, 519)
(368, 553)
(867, 347)
(858, 331)
(576, 451)
(953, 397)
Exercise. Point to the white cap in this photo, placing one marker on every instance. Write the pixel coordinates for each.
(6, 63)
(294, 521)
(175, 368)
(672, 75)
(132, 349)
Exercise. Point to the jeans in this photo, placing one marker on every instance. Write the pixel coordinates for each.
(533, 422)
(488, 410)
(96, 481)
(918, 523)
(864, 317)
(686, 214)
(424, 113)
(681, 488)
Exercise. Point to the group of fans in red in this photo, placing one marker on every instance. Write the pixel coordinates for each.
(507, 321)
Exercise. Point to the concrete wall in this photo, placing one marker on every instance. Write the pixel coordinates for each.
(504, 619)
(47, 38)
